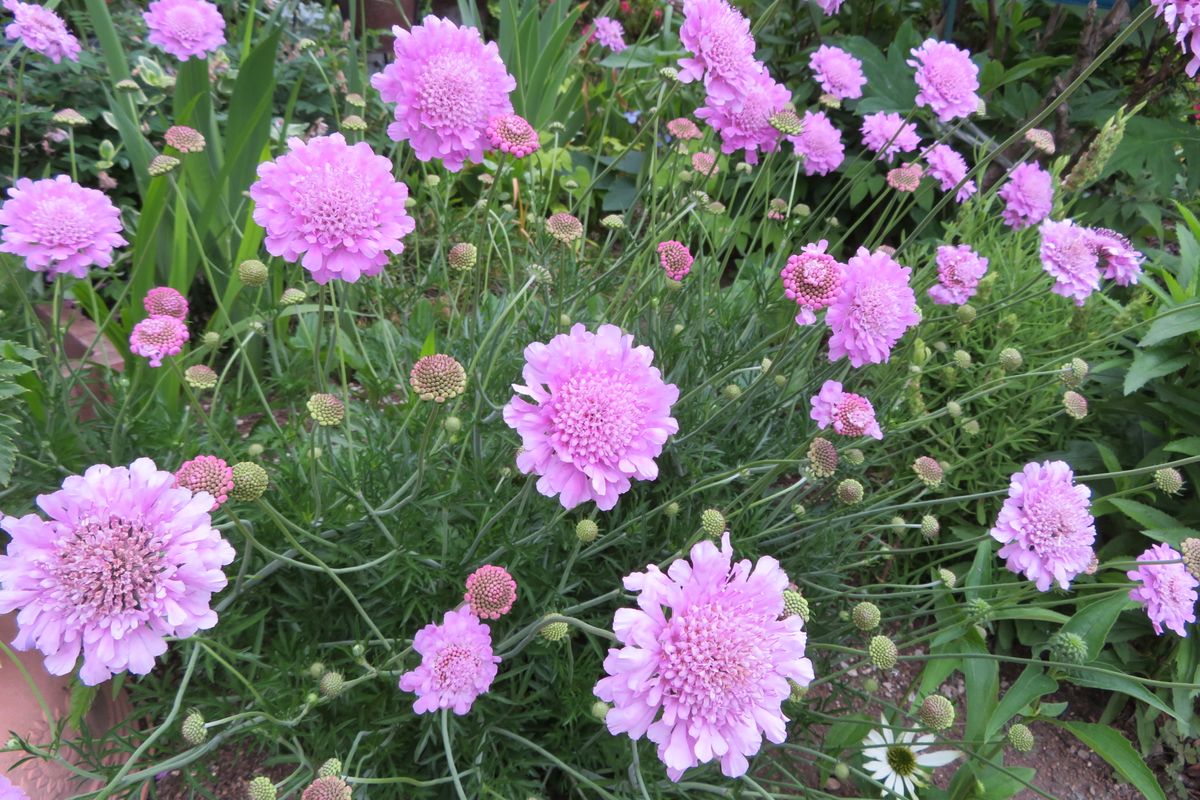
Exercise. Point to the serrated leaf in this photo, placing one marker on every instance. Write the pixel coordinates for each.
(1150, 364)
(1174, 322)
(82, 698)
(1146, 516)
(1109, 744)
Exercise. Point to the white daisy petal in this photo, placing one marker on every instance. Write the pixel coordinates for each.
(939, 758)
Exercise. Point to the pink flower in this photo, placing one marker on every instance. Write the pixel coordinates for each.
(706, 660)
(683, 128)
(185, 28)
(333, 206)
(42, 31)
(875, 308)
(1121, 261)
(157, 337)
(1183, 19)
(820, 144)
(830, 7)
(165, 301)
(599, 417)
(722, 48)
(744, 121)
(906, 178)
(948, 168)
(705, 162)
(124, 561)
(59, 227)
(839, 73)
(10, 791)
(888, 134)
(207, 474)
(1045, 525)
(850, 414)
(512, 134)
(457, 663)
(1069, 257)
(447, 85)
(959, 271)
(610, 33)
(675, 258)
(491, 592)
(1028, 196)
(1167, 591)
(812, 278)
(947, 79)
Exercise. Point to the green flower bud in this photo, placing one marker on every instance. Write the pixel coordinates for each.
(554, 631)
(260, 788)
(947, 578)
(866, 616)
(253, 273)
(332, 684)
(1021, 738)
(1010, 359)
(966, 314)
(250, 481)
(883, 652)
(193, 730)
(850, 491)
(600, 710)
(937, 713)
(930, 527)
(1069, 648)
(1169, 481)
(586, 531)
(452, 424)
(712, 522)
(332, 767)
(795, 605)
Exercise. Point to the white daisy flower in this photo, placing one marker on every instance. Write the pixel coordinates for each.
(896, 762)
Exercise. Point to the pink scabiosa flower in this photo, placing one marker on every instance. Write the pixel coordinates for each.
(888, 134)
(684, 128)
(207, 474)
(42, 31)
(1045, 525)
(599, 417)
(447, 85)
(1069, 257)
(839, 73)
(125, 560)
(457, 663)
(1167, 591)
(959, 270)
(1028, 196)
(1121, 261)
(812, 278)
(830, 7)
(491, 592)
(610, 33)
(512, 134)
(165, 302)
(185, 28)
(947, 167)
(1182, 18)
(850, 414)
(744, 121)
(706, 660)
(156, 338)
(875, 308)
(906, 178)
(819, 144)
(947, 78)
(59, 227)
(718, 37)
(332, 206)
(675, 258)
(705, 162)
(10, 791)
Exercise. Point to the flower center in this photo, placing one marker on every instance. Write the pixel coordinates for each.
(455, 668)
(949, 77)
(724, 48)
(853, 415)
(596, 414)
(840, 73)
(64, 223)
(451, 93)
(901, 760)
(1053, 524)
(336, 207)
(185, 24)
(713, 662)
(871, 307)
(755, 113)
(109, 568)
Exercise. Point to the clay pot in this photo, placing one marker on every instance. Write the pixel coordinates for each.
(82, 337)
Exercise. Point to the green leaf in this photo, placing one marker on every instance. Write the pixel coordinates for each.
(82, 698)
(1174, 322)
(1032, 684)
(983, 683)
(1093, 621)
(1144, 515)
(1109, 744)
(429, 346)
(1124, 685)
(1030, 612)
(1189, 446)
(1150, 364)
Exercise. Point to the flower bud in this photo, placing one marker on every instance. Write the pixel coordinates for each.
(330, 768)
(554, 631)
(261, 788)
(193, 730)
(937, 713)
(1010, 359)
(822, 458)
(966, 314)
(1073, 373)
(850, 491)
(962, 359)
(795, 605)
(1168, 480)
(331, 685)
(586, 531)
(865, 616)
(316, 670)
(1191, 556)
(947, 578)
(600, 710)
(452, 424)
(712, 522)
(250, 481)
(253, 273)
(1021, 738)
(930, 527)
(883, 652)
(672, 510)
(1067, 647)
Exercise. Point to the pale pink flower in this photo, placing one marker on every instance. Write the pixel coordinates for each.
(705, 163)
(491, 592)
(185, 28)
(959, 270)
(839, 73)
(447, 85)
(166, 302)
(744, 121)
(675, 258)
(906, 178)
(334, 207)
(1182, 18)
(947, 167)
(706, 660)
(42, 31)
(512, 134)
(1167, 591)
(59, 227)
(830, 7)
(207, 474)
(850, 414)
(722, 48)
(875, 308)
(1069, 257)
(125, 560)
(157, 337)
(1046, 526)
(947, 78)
(598, 418)
(1028, 196)
(1122, 262)
(610, 33)
(684, 128)
(812, 278)
(457, 663)
(888, 134)
(819, 144)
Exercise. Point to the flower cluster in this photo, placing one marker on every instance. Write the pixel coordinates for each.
(675, 258)
(959, 271)
(59, 227)
(849, 414)
(165, 331)
(1073, 255)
